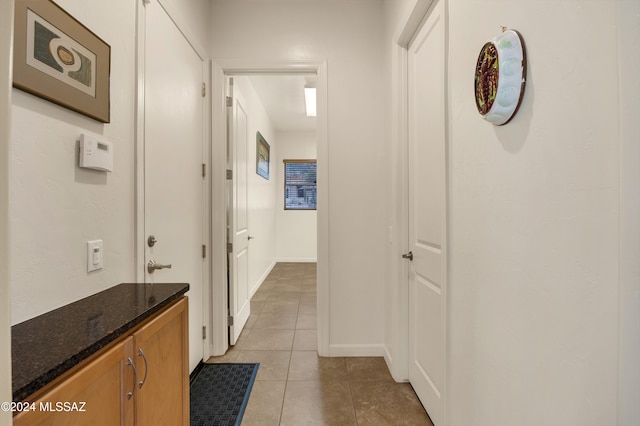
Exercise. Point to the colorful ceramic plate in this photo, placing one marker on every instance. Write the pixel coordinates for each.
(500, 77)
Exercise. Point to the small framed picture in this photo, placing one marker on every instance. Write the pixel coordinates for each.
(262, 156)
(59, 59)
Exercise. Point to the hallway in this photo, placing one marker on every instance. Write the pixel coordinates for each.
(294, 386)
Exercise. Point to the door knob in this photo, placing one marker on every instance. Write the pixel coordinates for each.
(152, 266)
(250, 238)
(408, 256)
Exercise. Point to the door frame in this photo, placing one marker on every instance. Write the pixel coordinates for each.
(399, 363)
(6, 69)
(139, 232)
(220, 68)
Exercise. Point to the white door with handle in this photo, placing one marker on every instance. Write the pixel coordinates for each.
(427, 212)
(173, 156)
(237, 213)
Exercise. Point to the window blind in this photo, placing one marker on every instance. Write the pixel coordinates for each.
(300, 185)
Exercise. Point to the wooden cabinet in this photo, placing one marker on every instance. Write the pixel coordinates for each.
(108, 390)
(162, 362)
(96, 391)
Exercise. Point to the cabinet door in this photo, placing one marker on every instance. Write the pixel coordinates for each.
(95, 395)
(162, 360)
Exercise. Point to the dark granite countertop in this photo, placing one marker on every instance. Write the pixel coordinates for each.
(47, 346)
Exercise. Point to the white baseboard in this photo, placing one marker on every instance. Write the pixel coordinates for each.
(356, 350)
(297, 260)
(263, 277)
(387, 356)
(393, 368)
(213, 352)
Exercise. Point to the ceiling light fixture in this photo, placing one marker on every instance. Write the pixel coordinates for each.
(310, 101)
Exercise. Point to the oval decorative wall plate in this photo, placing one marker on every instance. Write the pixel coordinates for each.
(501, 73)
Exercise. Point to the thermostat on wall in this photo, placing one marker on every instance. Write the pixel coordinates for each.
(96, 154)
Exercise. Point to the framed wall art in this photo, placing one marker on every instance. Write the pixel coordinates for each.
(262, 156)
(59, 59)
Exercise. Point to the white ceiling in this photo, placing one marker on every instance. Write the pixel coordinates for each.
(283, 98)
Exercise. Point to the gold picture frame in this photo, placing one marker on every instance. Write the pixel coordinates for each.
(59, 59)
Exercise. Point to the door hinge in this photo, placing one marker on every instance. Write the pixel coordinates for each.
(204, 332)
(229, 174)
(204, 89)
(229, 101)
(229, 247)
(204, 170)
(229, 320)
(204, 251)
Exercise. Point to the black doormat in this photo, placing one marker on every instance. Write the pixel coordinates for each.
(220, 392)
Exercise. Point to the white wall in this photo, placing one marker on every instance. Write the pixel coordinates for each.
(534, 221)
(56, 206)
(261, 192)
(6, 45)
(348, 36)
(296, 230)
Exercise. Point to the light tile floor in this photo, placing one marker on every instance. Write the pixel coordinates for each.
(295, 386)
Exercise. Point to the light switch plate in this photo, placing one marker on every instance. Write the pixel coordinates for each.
(94, 255)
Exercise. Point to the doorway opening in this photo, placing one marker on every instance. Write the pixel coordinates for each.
(264, 103)
(267, 125)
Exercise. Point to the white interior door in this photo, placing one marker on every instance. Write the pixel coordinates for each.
(173, 157)
(427, 213)
(237, 214)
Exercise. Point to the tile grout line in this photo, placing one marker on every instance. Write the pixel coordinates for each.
(353, 404)
(286, 383)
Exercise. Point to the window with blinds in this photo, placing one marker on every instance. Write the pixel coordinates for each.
(300, 184)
